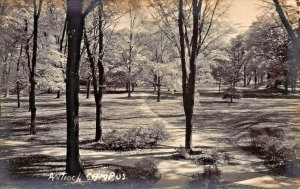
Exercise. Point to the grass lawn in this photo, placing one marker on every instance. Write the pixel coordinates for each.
(217, 123)
(215, 118)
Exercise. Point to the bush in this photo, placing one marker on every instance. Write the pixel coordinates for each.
(146, 168)
(136, 138)
(210, 178)
(208, 158)
(270, 144)
(181, 153)
(211, 171)
(205, 159)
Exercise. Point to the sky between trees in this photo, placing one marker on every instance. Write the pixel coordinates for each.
(240, 15)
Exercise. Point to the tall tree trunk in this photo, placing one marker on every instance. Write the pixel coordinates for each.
(36, 16)
(220, 83)
(255, 79)
(154, 82)
(66, 46)
(18, 95)
(249, 80)
(7, 79)
(94, 78)
(188, 87)
(88, 88)
(63, 36)
(286, 82)
(74, 30)
(18, 79)
(184, 72)
(158, 88)
(58, 95)
(129, 84)
(27, 55)
(245, 77)
(0, 104)
(231, 89)
(98, 135)
(126, 87)
(132, 87)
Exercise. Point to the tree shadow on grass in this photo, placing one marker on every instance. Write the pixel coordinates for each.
(215, 102)
(36, 169)
(215, 183)
(35, 165)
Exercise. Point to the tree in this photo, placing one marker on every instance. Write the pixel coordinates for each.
(294, 34)
(74, 29)
(9, 40)
(230, 67)
(75, 24)
(194, 46)
(267, 45)
(161, 53)
(32, 64)
(287, 23)
(130, 51)
(104, 19)
(98, 92)
(197, 24)
(18, 71)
